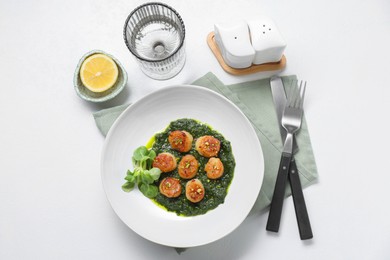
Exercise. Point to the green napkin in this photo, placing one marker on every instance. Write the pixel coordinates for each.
(254, 98)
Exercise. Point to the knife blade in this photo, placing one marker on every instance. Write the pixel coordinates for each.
(279, 98)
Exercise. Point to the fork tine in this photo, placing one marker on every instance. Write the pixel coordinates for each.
(292, 94)
(297, 97)
(302, 96)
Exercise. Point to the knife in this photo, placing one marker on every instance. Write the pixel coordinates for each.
(305, 232)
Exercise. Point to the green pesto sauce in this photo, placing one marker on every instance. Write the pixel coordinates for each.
(215, 190)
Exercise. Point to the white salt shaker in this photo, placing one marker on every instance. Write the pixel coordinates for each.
(234, 43)
(267, 41)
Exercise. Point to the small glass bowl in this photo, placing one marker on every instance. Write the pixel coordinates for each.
(110, 93)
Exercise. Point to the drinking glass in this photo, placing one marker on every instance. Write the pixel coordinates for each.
(154, 33)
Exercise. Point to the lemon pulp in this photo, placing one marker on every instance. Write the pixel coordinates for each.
(98, 73)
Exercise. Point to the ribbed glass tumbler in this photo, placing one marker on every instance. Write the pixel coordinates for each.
(154, 33)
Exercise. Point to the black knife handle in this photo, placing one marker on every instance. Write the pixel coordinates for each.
(275, 211)
(304, 226)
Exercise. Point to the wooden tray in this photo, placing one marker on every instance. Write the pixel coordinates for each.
(252, 69)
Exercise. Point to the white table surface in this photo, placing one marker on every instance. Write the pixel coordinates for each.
(52, 203)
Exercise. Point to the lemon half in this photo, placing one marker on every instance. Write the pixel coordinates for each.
(98, 73)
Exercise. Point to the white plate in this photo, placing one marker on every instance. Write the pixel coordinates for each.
(152, 114)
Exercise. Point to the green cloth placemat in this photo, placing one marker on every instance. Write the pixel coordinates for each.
(254, 98)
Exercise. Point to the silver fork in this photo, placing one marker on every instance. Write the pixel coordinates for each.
(292, 116)
(291, 121)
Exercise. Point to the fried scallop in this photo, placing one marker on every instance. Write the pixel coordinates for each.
(166, 162)
(188, 167)
(170, 187)
(195, 190)
(180, 140)
(208, 146)
(214, 168)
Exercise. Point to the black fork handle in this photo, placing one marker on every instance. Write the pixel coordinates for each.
(304, 226)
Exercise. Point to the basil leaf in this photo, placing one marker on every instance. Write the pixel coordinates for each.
(143, 188)
(155, 173)
(139, 153)
(147, 178)
(149, 191)
(152, 191)
(128, 186)
(130, 178)
(152, 155)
